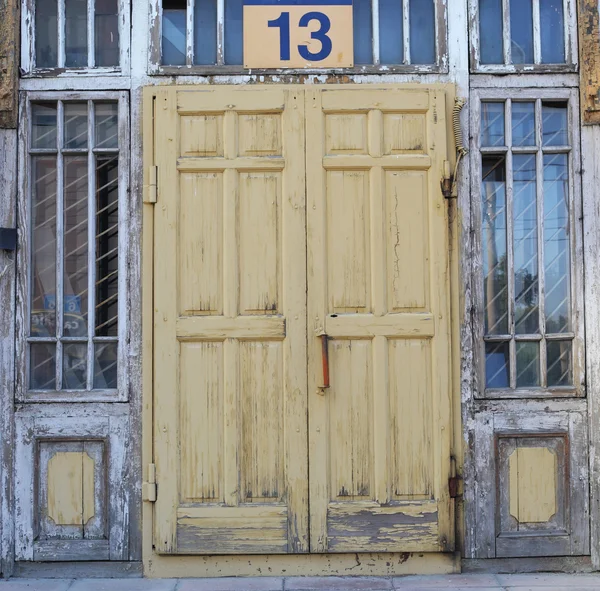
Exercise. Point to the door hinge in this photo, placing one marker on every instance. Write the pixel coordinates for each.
(149, 487)
(151, 191)
(447, 182)
(455, 481)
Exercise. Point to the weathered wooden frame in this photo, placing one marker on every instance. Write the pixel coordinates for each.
(570, 40)
(155, 66)
(576, 250)
(22, 392)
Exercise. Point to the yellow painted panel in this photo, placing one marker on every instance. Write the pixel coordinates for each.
(260, 134)
(202, 135)
(348, 240)
(201, 421)
(407, 239)
(350, 419)
(259, 207)
(200, 243)
(346, 133)
(261, 404)
(410, 417)
(404, 133)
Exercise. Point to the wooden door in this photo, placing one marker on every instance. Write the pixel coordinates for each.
(378, 286)
(230, 321)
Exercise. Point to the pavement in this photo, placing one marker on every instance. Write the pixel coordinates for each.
(464, 582)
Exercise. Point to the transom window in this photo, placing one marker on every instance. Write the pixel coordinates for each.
(528, 285)
(386, 32)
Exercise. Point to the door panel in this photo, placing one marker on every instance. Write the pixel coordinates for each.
(230, 322)
(378, 286)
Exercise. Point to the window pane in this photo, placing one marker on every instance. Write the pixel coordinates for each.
(74, 366)
(492, 124)
(107, 125)
(234, 50)
(493, 192)
(42, 370)
(490, 31)
(46, 33)
(552, 31)
(560, 368)
(75, 126)
(556, 242)
(363, 32)
(422, 32)
(107, 256)
(106, 27)
(43, 279)
(75, 33)
(528, 365)
(523, 124)
(205, 32)
(496, 365)
(75, 244)
(521, 31)
(105, 366)
(173, 32)
(391, 36)
(554, 124)
(525, 244)
(43, 126)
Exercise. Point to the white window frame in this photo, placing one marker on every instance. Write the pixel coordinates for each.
(571, 96)
(570, 40)
(28, 66)
(155, 53)
(24, 266)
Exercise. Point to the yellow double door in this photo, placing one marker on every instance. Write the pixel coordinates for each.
(285, 214)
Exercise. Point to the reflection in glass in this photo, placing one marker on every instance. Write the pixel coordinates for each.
(521, 31)
(493, 192)
(234, 24)
(74, 366)
(43, 126)
(75, 126)
(105, 366)
(492, 124)
(497, 365)
(556, 242)
(554, 124)
(490, 32)
(42, 366)
(525, 244)
(528, 364)
(523, 124)
(205, 32)
(76, 33)
(552, 31)
(560, 370)
(46, 34)
(106, 31)
(391, 35)
(422, 32)
(107, 125)
(173, 32)
(363, 26)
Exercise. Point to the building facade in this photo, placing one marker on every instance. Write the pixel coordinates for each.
(299, 320)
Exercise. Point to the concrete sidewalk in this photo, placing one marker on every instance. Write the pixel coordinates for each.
(467, 582)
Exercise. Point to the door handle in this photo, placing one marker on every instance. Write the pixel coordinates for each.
(325, 360)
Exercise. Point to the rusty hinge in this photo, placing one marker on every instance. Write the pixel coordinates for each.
(151, 191)
(455, 481)
(149, 487)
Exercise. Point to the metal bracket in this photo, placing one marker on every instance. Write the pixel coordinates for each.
(149, 487)
(8, 238)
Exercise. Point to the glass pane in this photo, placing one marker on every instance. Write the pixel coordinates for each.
(42, 370)
(560, 367)
(528, 365)
(525, 244)
(422, 32)
(556, 242)
(391, 36)
(76, 126)
(523, 124)
(107, 125)
(75, 246)
(363, 32)
(43, 278)
(496, 365)
(76, 33)
(490, 32)
(554, 124)
(74, 366)
(105, 366)
(106, 31)
(521, 31)
(234, 49)
(107, 255)
(552, 31)
(205, 32)
(492, 124)
(493, 194)
(43, 126)
(173, 32)
(46, 34)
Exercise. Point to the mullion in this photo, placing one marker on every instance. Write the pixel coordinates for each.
(61, 34)
(405, 30)
(220, 32)
(537, 32)
(91, 36)
(375, 32)
(60, 237)
(91, 245)
(506, 42)
(510, 245)
(189, 32)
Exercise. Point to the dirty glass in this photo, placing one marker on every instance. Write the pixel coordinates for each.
(46, 34)
(173, 32)
(422, 32)
(559, 362)
(76, 33)
(554, 124)
(74, 366)
(107, 125)
(492, 124)
(523, 124)
(391, 32)
(75, 127)
(528, 364)
(490, 32)
(105, 366)
(205, 32)
(552, 31)
(521, 31)
(497, 365)
(43, 126)
(42, 366)
(234, 33)
(106, 33)
(363, 35)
